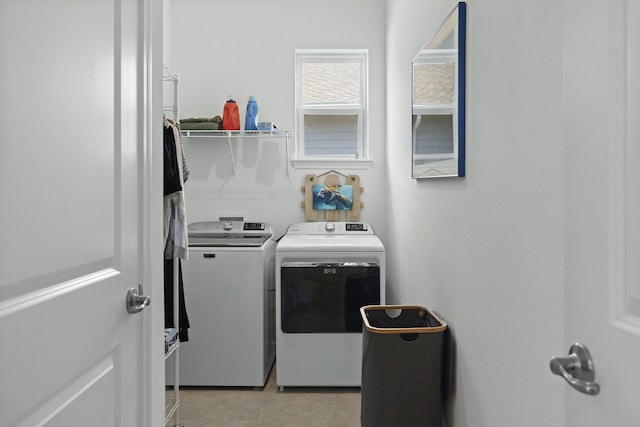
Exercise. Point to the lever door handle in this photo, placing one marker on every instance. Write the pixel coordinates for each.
(577, 369)
(135, 302)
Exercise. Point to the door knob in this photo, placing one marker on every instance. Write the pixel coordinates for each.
(577, 369)
(136, 302)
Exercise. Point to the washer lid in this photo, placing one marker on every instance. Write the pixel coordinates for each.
(228, 233)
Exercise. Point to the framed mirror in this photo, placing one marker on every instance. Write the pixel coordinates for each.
(438, 110)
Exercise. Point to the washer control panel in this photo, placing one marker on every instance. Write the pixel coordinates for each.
(254, 226)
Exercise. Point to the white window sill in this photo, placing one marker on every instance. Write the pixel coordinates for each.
(331, 163)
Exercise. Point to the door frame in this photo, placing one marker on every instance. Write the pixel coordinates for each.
(151, 213)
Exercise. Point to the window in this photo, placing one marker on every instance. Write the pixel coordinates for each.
(331, 104)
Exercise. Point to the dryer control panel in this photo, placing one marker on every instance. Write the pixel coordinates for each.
(329, 228)
(350, 226)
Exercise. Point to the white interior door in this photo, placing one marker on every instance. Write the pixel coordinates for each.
(602, 222)
(70, 113)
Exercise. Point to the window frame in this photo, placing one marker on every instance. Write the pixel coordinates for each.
(359, 110)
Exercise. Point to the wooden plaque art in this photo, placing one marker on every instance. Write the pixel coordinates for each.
(330, 184)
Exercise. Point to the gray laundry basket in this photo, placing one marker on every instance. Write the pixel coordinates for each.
(406, 370)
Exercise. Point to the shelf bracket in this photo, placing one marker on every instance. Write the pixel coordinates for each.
(233, 161)
(286, 154)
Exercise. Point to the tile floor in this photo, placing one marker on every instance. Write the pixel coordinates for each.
(269, 407)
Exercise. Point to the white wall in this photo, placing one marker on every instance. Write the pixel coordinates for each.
(244, 48)
(167, 13)
(486, 251)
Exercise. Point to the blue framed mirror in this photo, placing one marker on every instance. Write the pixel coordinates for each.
(438, 101)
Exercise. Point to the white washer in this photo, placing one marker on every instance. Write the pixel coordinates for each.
(324, 273)
(230, 300)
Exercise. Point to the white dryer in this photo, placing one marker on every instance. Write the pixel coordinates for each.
(230, 297)
(324, 273)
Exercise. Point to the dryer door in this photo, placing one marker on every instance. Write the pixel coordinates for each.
(326, 297)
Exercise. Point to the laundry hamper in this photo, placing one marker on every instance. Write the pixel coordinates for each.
(406, 371)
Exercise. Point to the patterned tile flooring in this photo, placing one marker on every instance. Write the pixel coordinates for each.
(269, 407)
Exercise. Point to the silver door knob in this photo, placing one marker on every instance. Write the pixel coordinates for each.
(577, 369)
(135, 302)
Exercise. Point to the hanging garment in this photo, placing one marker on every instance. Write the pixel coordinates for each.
(172, 181)
(168, 300)
(176, 135)
(175, 219)
(175, 224)
(170, 225)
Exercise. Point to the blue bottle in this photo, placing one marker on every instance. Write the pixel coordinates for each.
(251, 119)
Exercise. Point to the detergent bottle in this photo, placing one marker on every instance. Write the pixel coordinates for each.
(251, 119)
(231, 115)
